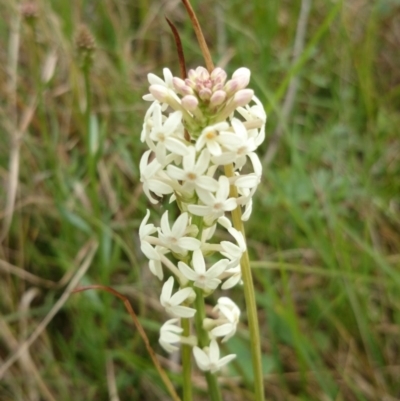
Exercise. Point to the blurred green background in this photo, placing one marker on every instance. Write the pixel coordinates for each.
(325, 231)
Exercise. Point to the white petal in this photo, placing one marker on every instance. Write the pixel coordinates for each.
(203, 162)
(225, 222)
(156, 268)
(179, 227)
(189, 243)
(159, 187)
(214, 351)
(206, 197)
(230, 204)
(167, 346)
(199, 210)
(257, 167)
(223, 330)
(198, 262)
(225, 360)
(154, 80)
(231, 249)
(182, 311)
(214, 148)
(189, 273)
(176, 173)
(202, 360)
(181, 296)
(231, 282)
(165, 224)
(176, 146)
(217, 269)
(207, 183)
(167, 290)
(149, 251)
(247, 181)
(188, 161)
(224, 158)
(223, 190)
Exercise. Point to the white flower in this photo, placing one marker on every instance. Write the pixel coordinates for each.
(229, 315)
(235, 274)
(168, 133)
(169, 335)
(145, 230)
(245, 199)
(231, 250)
(238, 144)
(172, 303)
(210, 137)
(202, 278)
(174, 238)
(154, 80)
(155, 265)
(193, 172)
(214, 206)
(208, 359)
(153, 179)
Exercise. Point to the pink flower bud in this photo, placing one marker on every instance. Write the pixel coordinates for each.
(159, 92)
(181, 87)
(190, 102)
(243, 75)
(240, 79)
(217, 98)
(205, 94)
(202, 74)
(243, 97)
(218, 76)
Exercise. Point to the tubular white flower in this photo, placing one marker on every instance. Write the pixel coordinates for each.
(228, 319)
(168, 133)
(235, 276)
(155, 80)
(208, 359)
(155, 265)
(214, 206)
(210, 137)
(169, 335)
(146, 229)
(172, 303)
(193, 172)
(202, 278)
(230, 249)
(175, 238)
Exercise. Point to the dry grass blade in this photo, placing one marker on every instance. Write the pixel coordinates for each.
(91, 249)
(199, 34)
(23, 274)
(179, 48)
(111, 383)
(128, 306)
(294, 83)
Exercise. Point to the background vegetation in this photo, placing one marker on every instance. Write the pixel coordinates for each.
(325, 230)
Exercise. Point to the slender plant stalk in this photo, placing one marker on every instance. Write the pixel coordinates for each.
(88, 113)
(213, 388)
(250, 299)
(187, 363)
(249, 294)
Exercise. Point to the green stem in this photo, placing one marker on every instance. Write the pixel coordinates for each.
(202, 335)
(249, 295)
(186, 363)
(88, 113)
